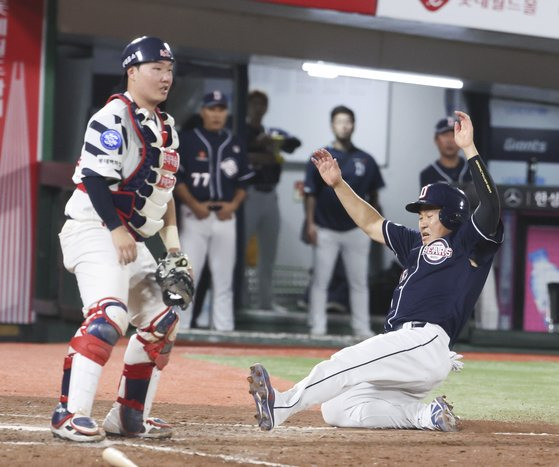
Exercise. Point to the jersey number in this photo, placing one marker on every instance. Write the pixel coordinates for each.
(200, 178)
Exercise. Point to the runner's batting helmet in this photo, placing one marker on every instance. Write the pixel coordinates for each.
(452, 201)
(146, 49)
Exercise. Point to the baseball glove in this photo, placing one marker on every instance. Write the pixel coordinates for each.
(174, 276)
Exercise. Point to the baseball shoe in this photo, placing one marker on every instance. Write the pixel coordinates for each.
(74, 427)
(442, 417)
(153, 428)
(264, 396)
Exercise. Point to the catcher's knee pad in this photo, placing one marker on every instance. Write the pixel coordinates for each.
(106, 321)
(133, 392)
(158, 338)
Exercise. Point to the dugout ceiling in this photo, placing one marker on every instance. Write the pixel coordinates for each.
(236, 29)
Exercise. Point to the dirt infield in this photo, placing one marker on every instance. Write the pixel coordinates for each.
(212, 413)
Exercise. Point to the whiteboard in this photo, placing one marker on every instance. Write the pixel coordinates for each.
(301, 105)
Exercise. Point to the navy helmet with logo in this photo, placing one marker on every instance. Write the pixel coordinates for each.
(453, 203)
(146, 49)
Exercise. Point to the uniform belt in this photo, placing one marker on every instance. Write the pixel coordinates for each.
(410, 325)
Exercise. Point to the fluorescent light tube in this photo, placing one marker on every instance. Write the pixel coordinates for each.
(329, 70)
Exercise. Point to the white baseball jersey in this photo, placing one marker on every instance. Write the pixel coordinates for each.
(114, 150)
(111, 149)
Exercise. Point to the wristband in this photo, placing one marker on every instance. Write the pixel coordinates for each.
(170, 237)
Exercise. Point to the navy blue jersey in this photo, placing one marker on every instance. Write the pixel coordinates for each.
(439, 284)
(436, 172)
(213, 164)
(361, 173)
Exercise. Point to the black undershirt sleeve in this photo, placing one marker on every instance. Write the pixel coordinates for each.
(102, 201)
(488, 212)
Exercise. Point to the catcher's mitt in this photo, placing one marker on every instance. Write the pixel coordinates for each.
(174, 276)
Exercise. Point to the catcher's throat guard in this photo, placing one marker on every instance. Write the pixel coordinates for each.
(174, 276)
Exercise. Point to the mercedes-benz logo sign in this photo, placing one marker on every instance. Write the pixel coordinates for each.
(513, 197)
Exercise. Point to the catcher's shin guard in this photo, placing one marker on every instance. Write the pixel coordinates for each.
(90, 348)
(129, 416)
(147, 353)
(159, 337)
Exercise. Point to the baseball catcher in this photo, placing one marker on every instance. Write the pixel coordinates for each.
(124, 194)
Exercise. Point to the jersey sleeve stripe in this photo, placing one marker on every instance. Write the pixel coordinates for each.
(86, 172)
(118, 121)
(124, 139)
(98, 126)
(94, 150)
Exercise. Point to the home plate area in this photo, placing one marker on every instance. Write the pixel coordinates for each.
(227, 435)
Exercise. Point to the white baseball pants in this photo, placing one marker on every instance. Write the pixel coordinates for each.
(378, 383)
(216, 240)
(89, 253)
(354, 246)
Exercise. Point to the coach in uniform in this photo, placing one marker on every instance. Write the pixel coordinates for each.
(331, 230)
(380, 382)
(124, 177)
(211, 187)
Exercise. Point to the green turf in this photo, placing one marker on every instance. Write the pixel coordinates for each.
(483, 390)
(290, 368)
(512, 391)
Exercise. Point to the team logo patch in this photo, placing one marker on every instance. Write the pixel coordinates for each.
(229, 167)
(437, 251)
(359, 167)
(202, 155)
(111, 139)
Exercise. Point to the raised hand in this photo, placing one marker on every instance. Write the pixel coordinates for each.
(464, 134)
(327, 167)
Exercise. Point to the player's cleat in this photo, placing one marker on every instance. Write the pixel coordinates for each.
(263, 394)
(74, 427)
(153, 428)
(442, 417)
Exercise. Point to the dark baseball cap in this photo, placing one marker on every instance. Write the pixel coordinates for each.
(214, 99)
(444, 125)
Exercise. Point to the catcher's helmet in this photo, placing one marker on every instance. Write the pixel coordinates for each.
(146, 49)
(452, 201)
